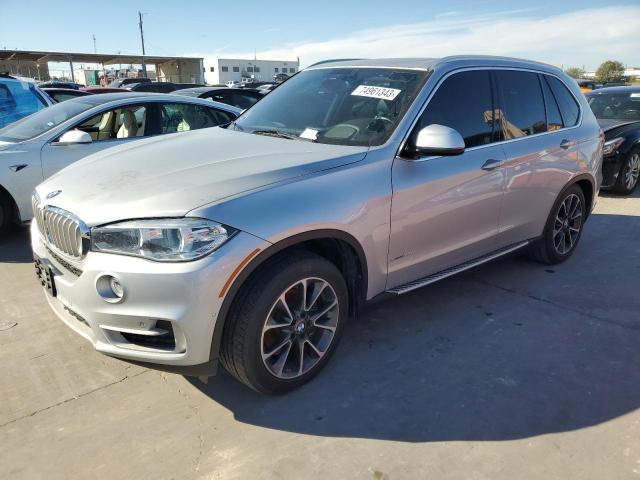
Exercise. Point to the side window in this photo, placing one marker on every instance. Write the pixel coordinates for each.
(554, 119)
(568, 107)
(464, 103)
(220, 117)
(126, 122)
(222, 96)
(244, 99)
(522, 107)
(183, 117)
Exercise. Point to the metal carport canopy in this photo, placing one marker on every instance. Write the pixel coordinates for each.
(104, 58)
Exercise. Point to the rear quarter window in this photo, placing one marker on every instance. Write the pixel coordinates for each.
(566, 102)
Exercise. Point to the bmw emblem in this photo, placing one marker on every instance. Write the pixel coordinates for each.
(55, 193)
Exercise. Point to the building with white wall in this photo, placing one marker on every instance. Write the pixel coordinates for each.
(222, 70)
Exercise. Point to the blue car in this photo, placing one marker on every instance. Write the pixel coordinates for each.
(19, 98)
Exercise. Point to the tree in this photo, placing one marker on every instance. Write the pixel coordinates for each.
(610, 71)
(575, 72)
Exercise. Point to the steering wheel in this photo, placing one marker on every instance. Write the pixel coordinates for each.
(383, 119)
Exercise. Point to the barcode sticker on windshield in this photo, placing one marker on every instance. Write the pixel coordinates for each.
(376, 92)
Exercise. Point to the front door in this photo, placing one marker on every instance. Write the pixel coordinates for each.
(107, 129)
(445, 210)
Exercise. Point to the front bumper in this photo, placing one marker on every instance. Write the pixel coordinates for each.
(186, 296)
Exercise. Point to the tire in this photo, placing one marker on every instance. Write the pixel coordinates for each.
(5, 215)
(550, 248)
(261, 345)
(629, 173)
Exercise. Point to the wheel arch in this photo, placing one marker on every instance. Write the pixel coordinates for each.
(337, 246)
(588, 186)
(15, 212)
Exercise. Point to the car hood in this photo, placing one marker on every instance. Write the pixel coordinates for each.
(170, 175)
(610, 123)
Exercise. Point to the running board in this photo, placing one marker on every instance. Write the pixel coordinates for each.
(407, 287)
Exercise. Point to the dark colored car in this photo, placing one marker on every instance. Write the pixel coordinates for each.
(121, 82)
(96, 89)
(238, 97)
(618, 112)
(60, 84)
(62, 94)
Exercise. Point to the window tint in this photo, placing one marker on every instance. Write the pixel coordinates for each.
(554, 119)
(124, 122)
(568, 106)
(522, 111)
(464, 103)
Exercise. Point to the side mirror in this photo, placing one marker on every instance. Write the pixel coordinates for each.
(437, 140)
(73, 137)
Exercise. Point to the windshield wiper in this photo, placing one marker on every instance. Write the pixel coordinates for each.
(275, 133)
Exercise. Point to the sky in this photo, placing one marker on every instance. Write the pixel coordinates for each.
(565, 33)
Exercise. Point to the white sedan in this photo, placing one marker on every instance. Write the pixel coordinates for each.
(36, 147)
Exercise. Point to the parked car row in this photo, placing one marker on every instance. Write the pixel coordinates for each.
(47, 141)
(252, 245)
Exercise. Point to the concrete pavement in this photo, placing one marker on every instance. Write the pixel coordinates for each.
(512, 370)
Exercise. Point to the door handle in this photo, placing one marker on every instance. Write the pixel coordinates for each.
(491, 164)
(567, 144)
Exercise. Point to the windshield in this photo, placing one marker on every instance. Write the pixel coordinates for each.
(346, 106)
(618, 106)
(44, 120)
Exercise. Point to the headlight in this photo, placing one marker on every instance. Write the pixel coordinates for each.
(164, 239)
(612, 145)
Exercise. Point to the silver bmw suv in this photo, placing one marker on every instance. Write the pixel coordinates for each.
(252, 246)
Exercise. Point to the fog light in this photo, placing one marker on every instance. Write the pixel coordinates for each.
(110, 289)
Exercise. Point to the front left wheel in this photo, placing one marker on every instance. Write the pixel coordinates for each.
(286, 323)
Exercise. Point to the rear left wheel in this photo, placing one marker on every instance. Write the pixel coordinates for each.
(563, 228)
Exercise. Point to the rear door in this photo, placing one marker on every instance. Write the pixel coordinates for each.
(541, 148)
(445, 209)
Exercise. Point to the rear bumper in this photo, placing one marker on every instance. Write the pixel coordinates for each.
(186, 296)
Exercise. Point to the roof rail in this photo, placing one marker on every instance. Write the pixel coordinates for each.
(334, 60)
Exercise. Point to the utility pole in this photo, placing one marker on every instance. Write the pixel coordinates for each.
(144, 67)
(94, 44)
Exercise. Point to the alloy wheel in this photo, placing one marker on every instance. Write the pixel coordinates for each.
(567, 225)
(299, 328)
(632, 172)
